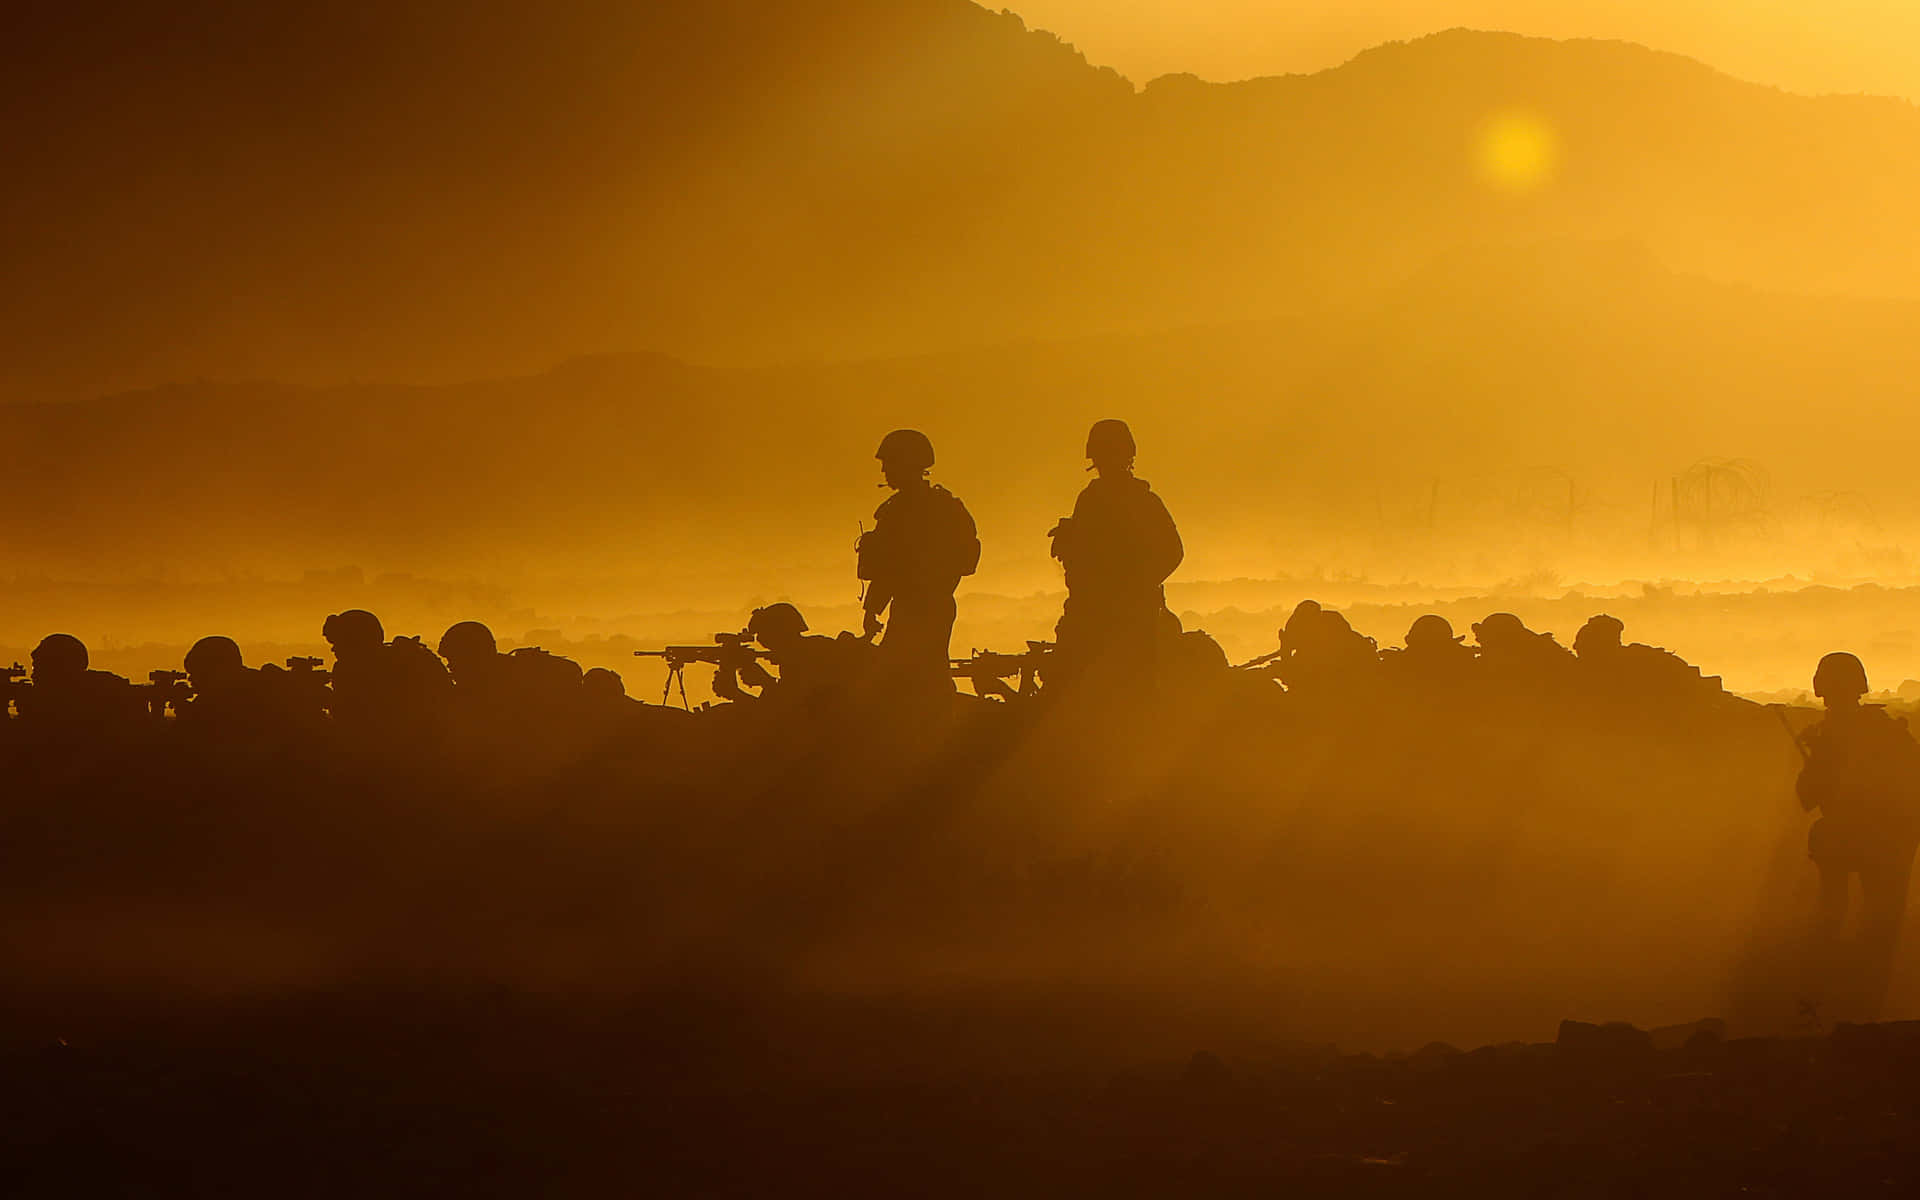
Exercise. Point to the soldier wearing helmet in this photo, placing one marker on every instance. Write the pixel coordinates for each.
(1117, 550)
(68, 696)
(515, 696)
(812, 668)
(1862, 772)
(1435, 660)
(1635, 677)
(473, 656)
(923, 542)
(1518, 663)
(389, 692)
(227, 694)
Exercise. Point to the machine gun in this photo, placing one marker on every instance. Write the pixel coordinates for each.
(309, 668)
(163, 690)
(298, 689)
(988, 670)
(727, 649)
(14, 685)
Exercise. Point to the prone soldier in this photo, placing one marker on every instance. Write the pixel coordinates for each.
(391, 692)
(68, 697)
(1434, 663)
(813, 669)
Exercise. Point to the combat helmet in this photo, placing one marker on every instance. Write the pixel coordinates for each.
(214, 657)
(1110, 441)
(781, 620)
(1431, 630)
(467, 640)
(906, 448)
(60, 654)
(1840, 675)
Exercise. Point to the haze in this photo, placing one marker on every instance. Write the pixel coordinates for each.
(590, 321)
(1803, 45)
(585, 321)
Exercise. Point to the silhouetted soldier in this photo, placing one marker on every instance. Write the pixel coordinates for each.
(481, 679)
(527, 699)
(1636, 674)
(1327, 659)
(1863, 773)
(1434, 661)
(69, 698)
(813, 669)
(922, 543)
(229, 698)
(604, 695)
(1118, 548)
(390, 692)
(357, 640)
(1517, 663)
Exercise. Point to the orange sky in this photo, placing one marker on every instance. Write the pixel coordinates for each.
(1802, 45)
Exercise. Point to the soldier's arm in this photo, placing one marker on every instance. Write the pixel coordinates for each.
(1172, 551)
(726, 685)
(966, 537)
(1815, 783)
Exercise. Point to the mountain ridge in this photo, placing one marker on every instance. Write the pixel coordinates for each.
(840, 180)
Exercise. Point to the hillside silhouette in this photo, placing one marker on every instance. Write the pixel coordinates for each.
(429, 192)
(1403, 429)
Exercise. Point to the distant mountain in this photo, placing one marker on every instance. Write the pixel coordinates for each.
(436, 190)
(1504, 405)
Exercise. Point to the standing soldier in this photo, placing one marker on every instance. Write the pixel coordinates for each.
(1863, 774)
(922, 543)
(1118, 548)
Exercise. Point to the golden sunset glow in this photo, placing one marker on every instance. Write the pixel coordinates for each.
(913, 597)
(1517, 151)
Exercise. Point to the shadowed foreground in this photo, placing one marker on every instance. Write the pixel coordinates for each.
(502, 1095)
(914, 941)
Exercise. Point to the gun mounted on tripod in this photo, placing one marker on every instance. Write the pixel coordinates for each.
(727, 649)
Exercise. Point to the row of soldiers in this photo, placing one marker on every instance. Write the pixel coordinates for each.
(1115, 637)
(378, 692)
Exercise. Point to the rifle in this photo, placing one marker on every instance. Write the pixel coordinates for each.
(298, 689)
(15, 685)
(165, 689)
(308, 667)
(984, 667)
(1799, 736)
(727, 649)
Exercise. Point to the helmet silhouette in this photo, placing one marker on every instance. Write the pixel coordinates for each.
(1840, 674)
(1599, 633)
(354, 627)
(908, 448)
(214, 656)
(1109, 440)
(780, 620)
(1431, 630)
(603, 684)
(467, 639)
(1499, 627)
(60, 654)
